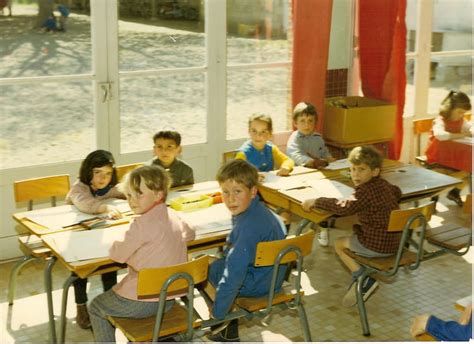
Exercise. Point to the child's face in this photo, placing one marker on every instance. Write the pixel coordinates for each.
(142, 201)
(101, 177)
(236, 196)
(305, 124)
(362, 173)
(166, 151)
(457, 114)
(259, 134)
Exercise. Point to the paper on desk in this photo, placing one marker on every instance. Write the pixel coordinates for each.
(208, 220)
(321, 188)
(58, 217)
(121, 204)
(275, 182)
(74, 246)
(338, 164)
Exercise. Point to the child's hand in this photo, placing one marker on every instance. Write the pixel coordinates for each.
(283, 172)
(319, 163)
(113, 212)
(331, 159)
(419, 325)
(308, 204)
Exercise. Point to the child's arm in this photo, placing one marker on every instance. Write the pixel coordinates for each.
(343, 207)
(280, 159)
(440, 133)
(294, 152)
(241, 155)
(81, 197)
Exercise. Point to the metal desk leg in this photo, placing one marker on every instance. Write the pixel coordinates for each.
(13, 276)
(48, 286)
(301, 225)
(67, 284)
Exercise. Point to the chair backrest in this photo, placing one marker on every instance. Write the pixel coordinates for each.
(38, 188)
(421, 126)
(399, 218)
(151, 281)
(268, 251)
(228, 156)
(281, 139)
(124, 169)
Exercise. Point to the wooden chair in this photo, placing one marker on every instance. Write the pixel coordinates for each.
(228, 156)
(33, 190)
(274, 253)
(164, 281)
(122, 170)
(406, 221)
(451, 238)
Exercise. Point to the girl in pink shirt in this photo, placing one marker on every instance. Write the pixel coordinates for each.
(155, 239)
(97, 182)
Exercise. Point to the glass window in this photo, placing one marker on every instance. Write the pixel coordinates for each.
(410, 89)
(452, 25)
(161, 34)
(46, 123)
(44, 51)
(171, 102)
(449, 73)
(258, 32)
(411, 23)
(257, 90)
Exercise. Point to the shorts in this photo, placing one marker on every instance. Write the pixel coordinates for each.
(361, 250)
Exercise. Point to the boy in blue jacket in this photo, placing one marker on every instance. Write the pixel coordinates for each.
(235, 275)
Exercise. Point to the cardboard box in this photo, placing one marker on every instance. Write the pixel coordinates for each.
(350, 120)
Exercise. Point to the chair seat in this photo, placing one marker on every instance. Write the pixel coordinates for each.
(141, 330)
(384, 263)
(253, 304)
(450, 236)
(32, 245)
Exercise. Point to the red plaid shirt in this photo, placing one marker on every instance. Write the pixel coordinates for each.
(373, 202)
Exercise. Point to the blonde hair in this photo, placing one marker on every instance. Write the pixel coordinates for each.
(366, 155)
(454, 100)
(262, 118)
(240, 171)
(155, 178)
(304, 108)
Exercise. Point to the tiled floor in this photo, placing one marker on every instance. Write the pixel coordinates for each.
(433, 288)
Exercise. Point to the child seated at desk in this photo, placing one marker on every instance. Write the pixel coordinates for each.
(260, 152)
(450, 125)
(307, 148)
(97, 182)
(157, 238)
(373, 201)
(252, 222)
(167, 147)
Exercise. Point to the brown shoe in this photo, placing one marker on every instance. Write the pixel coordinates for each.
(82, 317)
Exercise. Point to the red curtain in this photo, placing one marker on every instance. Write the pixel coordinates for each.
(382, 44)
(311, 29)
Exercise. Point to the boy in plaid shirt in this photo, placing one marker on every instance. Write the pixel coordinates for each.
(373, 200)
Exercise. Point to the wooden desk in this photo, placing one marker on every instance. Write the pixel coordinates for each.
(415, 183)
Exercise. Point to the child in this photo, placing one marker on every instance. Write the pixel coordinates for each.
(234, 275)
(260, 152)
(167, 146)
(156, 238)
(307, 148)
(373, 201)
(444, 330)
(64, 12)
(450, 125)
(97, 182)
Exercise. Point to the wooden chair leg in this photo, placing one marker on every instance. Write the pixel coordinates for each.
(13, 276)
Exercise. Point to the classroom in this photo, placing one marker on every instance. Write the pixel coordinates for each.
(356, 114)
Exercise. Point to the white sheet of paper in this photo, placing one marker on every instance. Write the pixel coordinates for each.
(58, 217)
(275, 182)
(81, 245)
(121, 204)
(338, 164)
(199, 189)
(208, 220)
(321, 188)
